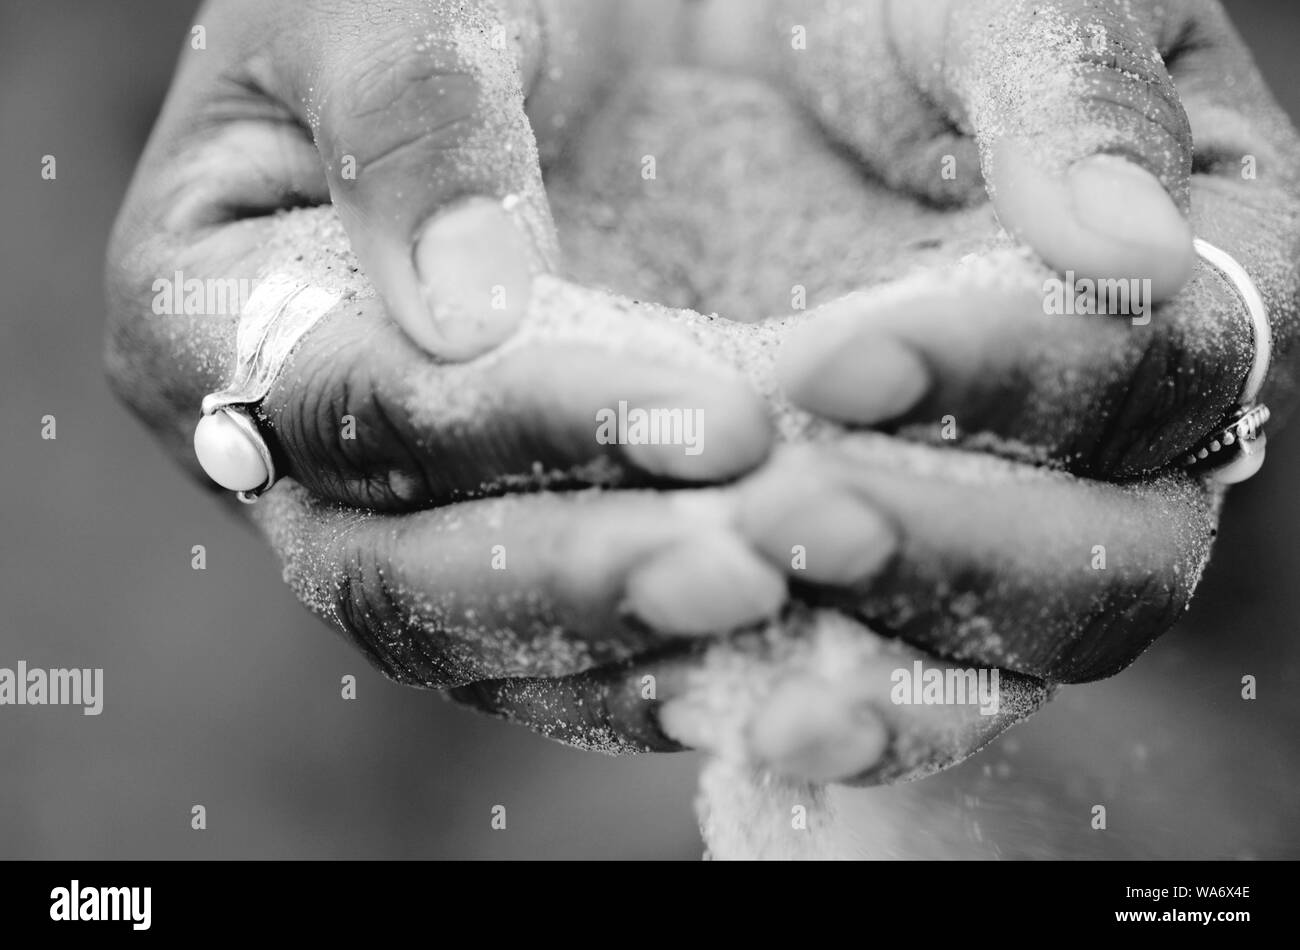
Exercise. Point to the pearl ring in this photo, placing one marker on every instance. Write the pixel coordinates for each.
(228, 442)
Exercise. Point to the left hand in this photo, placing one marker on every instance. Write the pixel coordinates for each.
(1049, 94)
(1102, 397)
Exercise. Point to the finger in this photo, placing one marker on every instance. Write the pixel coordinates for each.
(1082, 142)
(417, 111)
(362, 416)
(997, 563)
(407, 116)
(817, 698)
(998, 347)
(612, 709)
(540, 585)
(981, 577)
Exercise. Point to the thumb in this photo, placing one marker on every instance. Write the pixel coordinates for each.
(1077, 130)
(1084, 144)
(417, 111)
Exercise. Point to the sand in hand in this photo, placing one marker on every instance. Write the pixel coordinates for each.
(748, 218)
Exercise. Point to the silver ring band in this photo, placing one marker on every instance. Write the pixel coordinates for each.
(1235, 450)
(228, 441)
(1250, 295)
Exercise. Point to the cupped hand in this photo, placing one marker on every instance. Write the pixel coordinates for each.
(946, 575)
(1092, 123)
(408, 118)
(1064, 112)
(946, 558)
(1039, 577)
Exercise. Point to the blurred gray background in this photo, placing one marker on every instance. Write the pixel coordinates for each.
(221, 691)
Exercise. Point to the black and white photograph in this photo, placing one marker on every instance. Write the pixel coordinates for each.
(655, 430)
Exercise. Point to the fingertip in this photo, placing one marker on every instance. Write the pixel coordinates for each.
(705, 585)
(1104, 217)
(1124, 203)
(825, 536)
(863, 377)
(712, 431)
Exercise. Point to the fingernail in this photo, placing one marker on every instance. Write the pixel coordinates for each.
(863, 378)
(662, 436)
(475, 272)
(713, 432)
(839, 538)
(679, 719)
(1123, 201)
(807, 731)
(710, 584)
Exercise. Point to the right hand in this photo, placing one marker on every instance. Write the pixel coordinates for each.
(411, 123)
(277, 110)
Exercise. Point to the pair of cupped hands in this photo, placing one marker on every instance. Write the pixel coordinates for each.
(429, 133)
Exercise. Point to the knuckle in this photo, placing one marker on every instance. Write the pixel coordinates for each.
(306, 408)
(1134, 615)
(1122, 611)
(371, 615)
(1132, 430)
(1176, 385)
(406, 96)
(364, 619)
(339, 426)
